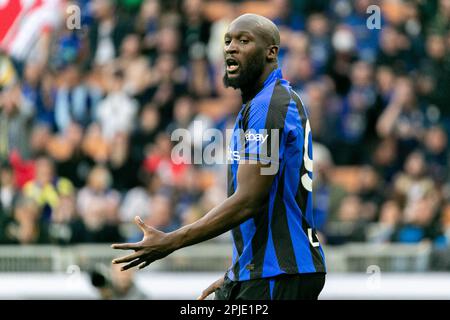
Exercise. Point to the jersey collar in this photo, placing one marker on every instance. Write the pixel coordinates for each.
(273, 76)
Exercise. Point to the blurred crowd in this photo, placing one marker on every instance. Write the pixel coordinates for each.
(86, 113)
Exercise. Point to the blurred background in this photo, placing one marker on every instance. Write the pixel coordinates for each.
(90, 91)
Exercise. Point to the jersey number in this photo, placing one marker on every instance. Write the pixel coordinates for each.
(306, 180)
(314, 242)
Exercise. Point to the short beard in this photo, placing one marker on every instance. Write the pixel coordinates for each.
(249, 73)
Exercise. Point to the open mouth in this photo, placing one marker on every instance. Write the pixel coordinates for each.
(232, 65)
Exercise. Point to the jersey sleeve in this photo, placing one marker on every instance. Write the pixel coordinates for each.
(263, 134)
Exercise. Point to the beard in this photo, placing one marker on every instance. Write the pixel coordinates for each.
(249, 72)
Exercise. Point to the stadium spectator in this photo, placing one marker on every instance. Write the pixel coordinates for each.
(117, 111)
(435, 147)
(75, 102)
(98, 205)
(8, 191)
(111, 94)
(388, 222)
(106, 33)
(26, 226)
(65, 226)
(47, 187)
(413, 184)
(15, 118)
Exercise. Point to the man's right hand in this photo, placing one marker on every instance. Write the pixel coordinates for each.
(216, 285)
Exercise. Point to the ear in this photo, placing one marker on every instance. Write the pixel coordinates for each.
(272, 52)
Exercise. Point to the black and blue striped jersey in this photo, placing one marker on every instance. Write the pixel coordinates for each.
(273, 128)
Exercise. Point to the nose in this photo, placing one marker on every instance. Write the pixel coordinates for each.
(231, 47)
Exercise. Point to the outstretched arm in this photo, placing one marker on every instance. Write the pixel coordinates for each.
(250, 196)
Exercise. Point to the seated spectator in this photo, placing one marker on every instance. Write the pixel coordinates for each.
(443, 240)
(26, 227)
(138, 201)
(8, 74)
(320, 46)
(38, 91)
(436, 153)
(66, 149)
(106, 33)
(159, 161)
(385, 160)
(94, 145)
(350, 226)
(366, 39)
(161, 216)
(353, 116)
(328, 195)
(403, 118)
(8, 191)
(122, 166)
(145, 132)
(419, 222)
(65, 226)
(413, 184)
(148, 22)
(370, 192)
(117, 111)
(75, 102)
(98, 206)
(15, 118)
(135, 66)
(47, 187)
(389, 219)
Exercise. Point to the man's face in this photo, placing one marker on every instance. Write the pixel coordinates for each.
(244, 55)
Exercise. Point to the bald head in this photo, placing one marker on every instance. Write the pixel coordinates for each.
(251, 46)
(258, 25)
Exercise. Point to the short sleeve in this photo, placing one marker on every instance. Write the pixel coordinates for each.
(263, 134)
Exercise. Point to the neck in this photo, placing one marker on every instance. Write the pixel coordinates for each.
(249, 92)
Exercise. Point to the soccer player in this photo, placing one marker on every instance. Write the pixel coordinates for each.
(276, 253)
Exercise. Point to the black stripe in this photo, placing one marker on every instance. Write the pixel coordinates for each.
(239, 243)
(230, 180)
(302, 194)
(259, 241)
(281, 235)
(276, 116)
(244, 126)
(236, 232)
(300, 107)
(315, 253)
(245, 116)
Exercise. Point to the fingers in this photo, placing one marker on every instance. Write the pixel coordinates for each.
(132, 264)
(140, 223)
(127, 246)
(143, 265)
(205, 294)
(128, 258)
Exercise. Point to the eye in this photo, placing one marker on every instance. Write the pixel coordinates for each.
(227, 42)
(243, 41)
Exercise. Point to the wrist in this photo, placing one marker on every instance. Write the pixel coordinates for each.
(174, 240)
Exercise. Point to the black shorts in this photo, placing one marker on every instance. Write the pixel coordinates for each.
(305, 286)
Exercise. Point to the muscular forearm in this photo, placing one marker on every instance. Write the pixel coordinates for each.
(229, 214)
